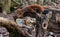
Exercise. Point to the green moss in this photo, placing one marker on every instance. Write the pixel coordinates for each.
(14, 33)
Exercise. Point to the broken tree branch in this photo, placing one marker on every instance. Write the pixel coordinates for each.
(54, 8)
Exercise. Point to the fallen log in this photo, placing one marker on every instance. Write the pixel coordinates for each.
(12, 24)
(7, 22)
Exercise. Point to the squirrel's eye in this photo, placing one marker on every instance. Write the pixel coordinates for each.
(46, 11)
(37, 10)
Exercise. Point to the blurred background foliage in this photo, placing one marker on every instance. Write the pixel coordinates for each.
(22, 3)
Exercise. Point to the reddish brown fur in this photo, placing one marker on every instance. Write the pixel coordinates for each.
(30, 8)
(20, 13)
(41, 8)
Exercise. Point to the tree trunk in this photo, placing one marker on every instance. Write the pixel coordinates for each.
(40, 2)
(6, 6)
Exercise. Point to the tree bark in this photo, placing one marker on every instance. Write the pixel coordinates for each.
(10, 24)
(54, 8)
(6, 6)
(40, 2)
